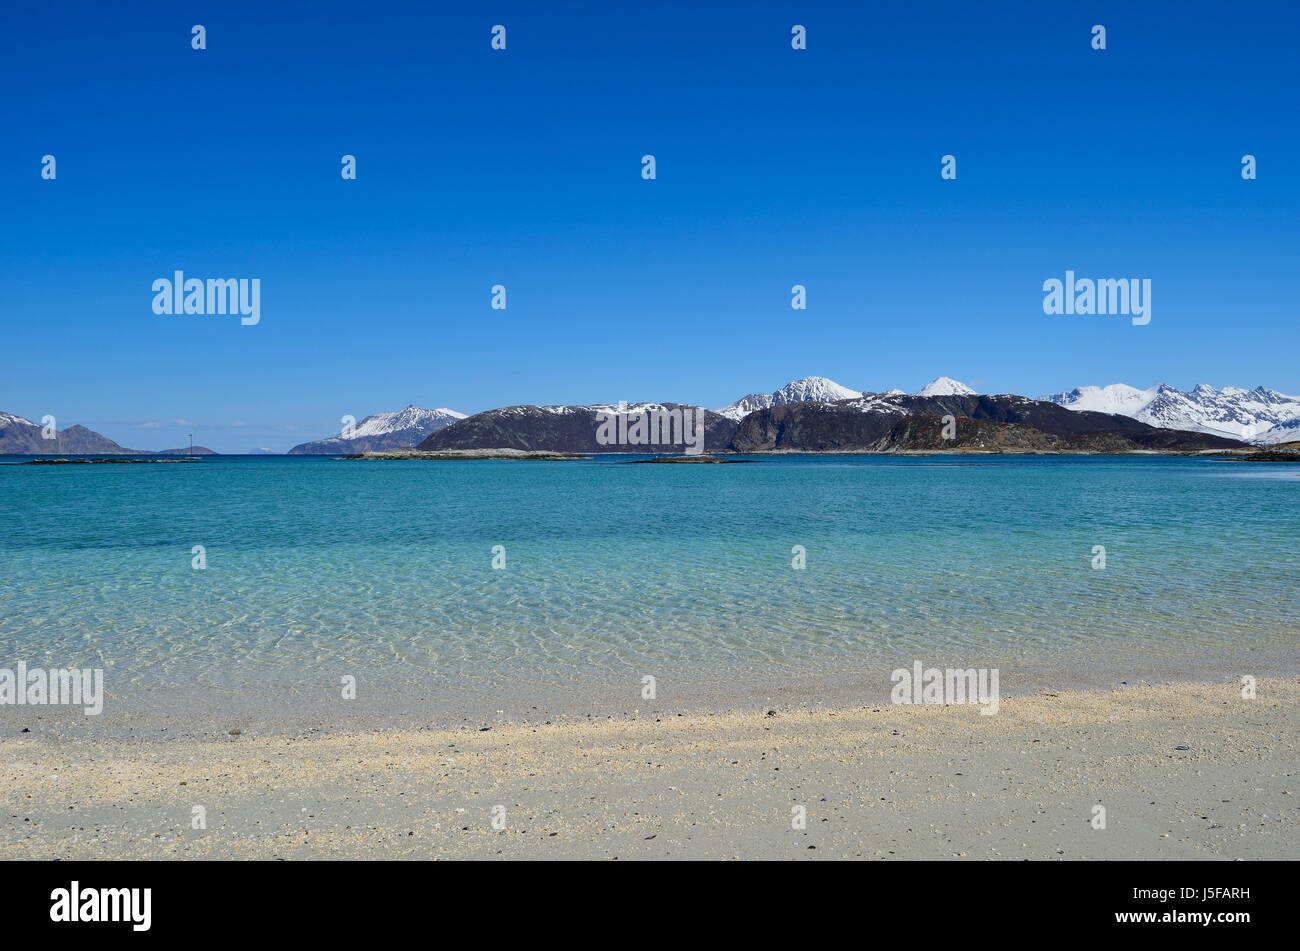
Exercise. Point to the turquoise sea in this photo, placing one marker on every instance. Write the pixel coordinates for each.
(318, 569)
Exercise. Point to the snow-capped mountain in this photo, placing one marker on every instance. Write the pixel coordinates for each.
(399, 430)
(9, 419)
(1261, 415)
(1116, 398)
(811, 389)
(21, 436)
(411, 418)
(944, 386)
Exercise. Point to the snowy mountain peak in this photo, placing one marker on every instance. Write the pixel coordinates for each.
(1116, 398)
(1260, 415)
(397, 430)
(412, 417)
(945, 386)
(811, 389)
(9, 419)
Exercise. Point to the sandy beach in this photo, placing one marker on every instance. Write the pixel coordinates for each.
(875, 782)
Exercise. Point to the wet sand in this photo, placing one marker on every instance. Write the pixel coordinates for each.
(875, 782)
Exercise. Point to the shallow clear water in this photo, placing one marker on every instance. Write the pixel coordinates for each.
(383, 570)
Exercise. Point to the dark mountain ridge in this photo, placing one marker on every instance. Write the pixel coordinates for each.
(22, 437)
(563, 429)
(873, 423)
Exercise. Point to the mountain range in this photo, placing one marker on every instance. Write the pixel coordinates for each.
(897, 422)
(19, 436)
(1261, 416)
(818, 389)
(866, 422)
(814, 414)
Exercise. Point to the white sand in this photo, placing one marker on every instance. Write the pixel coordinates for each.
(876, 782)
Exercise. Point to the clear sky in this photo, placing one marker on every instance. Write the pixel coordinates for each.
(522, 167)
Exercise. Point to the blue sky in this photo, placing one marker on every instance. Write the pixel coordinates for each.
(775, 167)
